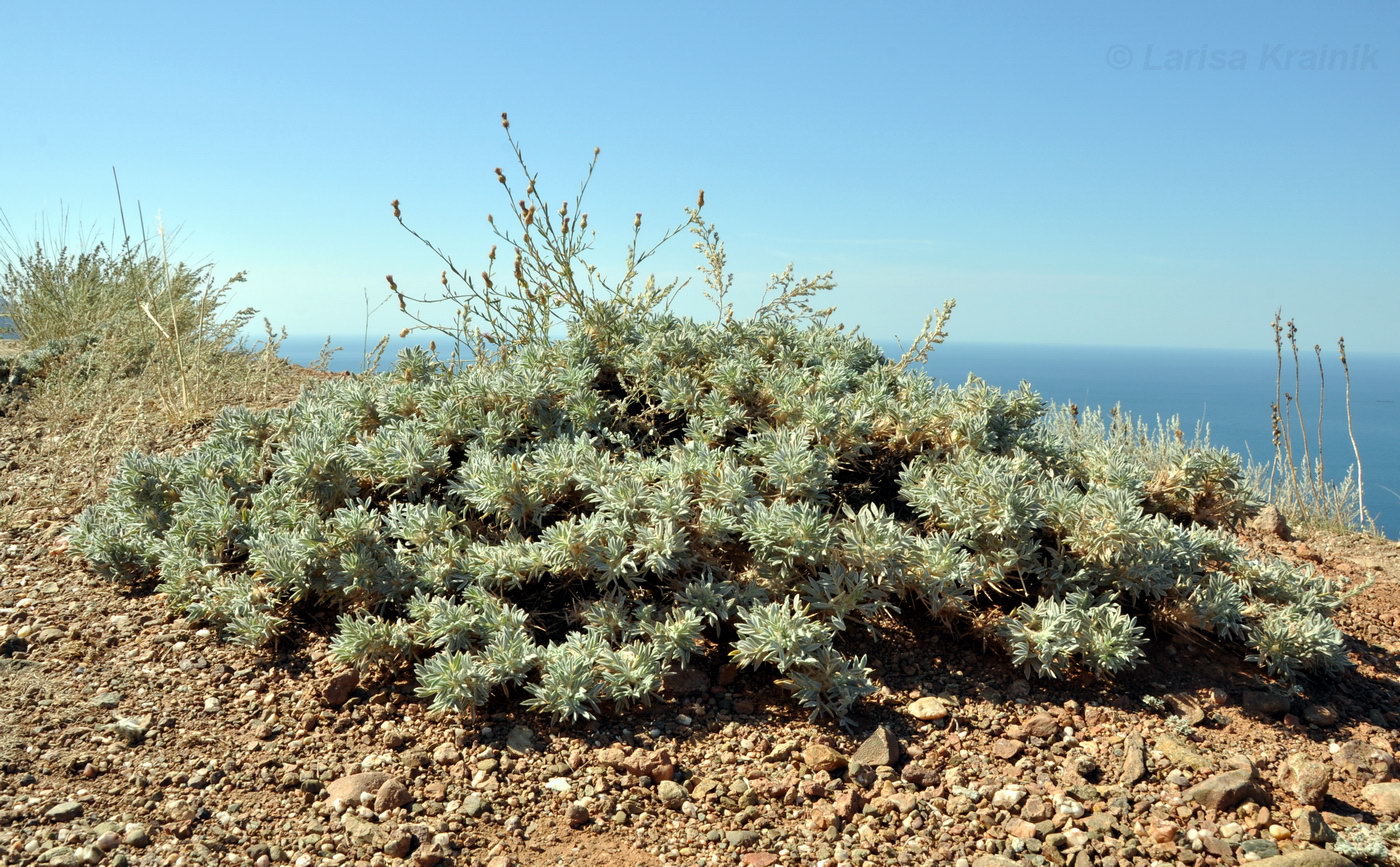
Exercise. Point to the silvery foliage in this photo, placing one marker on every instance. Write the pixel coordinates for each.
(581, 518)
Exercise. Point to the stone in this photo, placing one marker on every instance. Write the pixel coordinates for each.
(429, 856)
(446, 753)
(180, 811)
(928, 709)
(349, 788)
(65, 811)
(1037, 809)
(577, 816)
(107, 841)
(1265, 704)
(1005, 799)
(1007, 749)
(1042, 725)
(337, 689)
(1261, 848)
(399, 845)
(741, 838)
(521, 740)
(1134, 759)
(392, 793)
(108, 700)
(671, 793)
(1271, 523)
(1224, 791)
(1310, 827)
(1306, 779)
(759, 859)
(1384, 799)
(473, 806)
(657, 764)
(136, 835)
(1017, 827)
(881, 748)
(922, 776)
(1364, 761)
(1320, 715)
(1182, 754)
(995, 861)
(848, 804)
(1307, 858)
(820, 757)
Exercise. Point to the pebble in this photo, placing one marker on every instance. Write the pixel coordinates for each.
(212, 705)
(1005, 799)
(928, 709)
(65, 811)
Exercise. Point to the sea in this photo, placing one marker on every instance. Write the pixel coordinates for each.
(1228, 392)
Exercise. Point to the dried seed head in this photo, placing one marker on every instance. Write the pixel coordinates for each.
(637, 223)
(404, 333)
(505, 121)
(583, 222)
(530, 188)
(490, 218)
(492, 255)
(444, 278)
(566, 226)
(700, 202)
(597, 151)
(564, 209)
(432, 346)
(395, 205)
(500, 175)
(392, 285)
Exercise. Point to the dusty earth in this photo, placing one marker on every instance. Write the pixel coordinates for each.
(128, 736)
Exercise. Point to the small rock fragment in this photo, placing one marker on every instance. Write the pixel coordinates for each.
(928, 709)
(1364, 761)
(1042, 725)
(349, 788)
(1224, 791)
(577, 815)
(65, 811)
(1007, 749)
(881, 748)
(336, 691)
(1384, 798)
(1306, 779)
(392, 793)
(1320, 715)
(1265, 704)
(671, 793)
(1134, 759)
(820, 757)
(1271, 523)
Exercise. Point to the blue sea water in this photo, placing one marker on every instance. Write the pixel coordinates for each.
(1230, 391)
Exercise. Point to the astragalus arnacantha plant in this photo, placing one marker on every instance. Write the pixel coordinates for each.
(593, 512)
(574, 517)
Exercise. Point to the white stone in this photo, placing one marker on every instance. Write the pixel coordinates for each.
(558, 784)
(1005, 799)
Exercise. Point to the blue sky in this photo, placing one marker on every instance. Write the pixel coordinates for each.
(1108, 173)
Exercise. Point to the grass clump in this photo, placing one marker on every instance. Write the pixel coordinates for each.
(571, 517)
(119, 345)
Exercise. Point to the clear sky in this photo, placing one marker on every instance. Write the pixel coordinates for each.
(1109, 173)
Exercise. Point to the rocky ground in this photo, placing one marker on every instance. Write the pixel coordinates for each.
(130, 737)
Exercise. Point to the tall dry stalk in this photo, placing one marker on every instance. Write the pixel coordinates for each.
(1351, 433)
